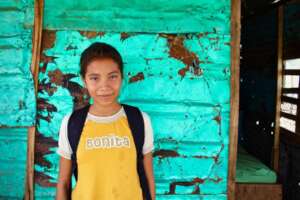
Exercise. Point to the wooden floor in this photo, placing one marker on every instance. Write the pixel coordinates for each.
(258, 192)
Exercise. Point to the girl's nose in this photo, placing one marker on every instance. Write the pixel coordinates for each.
(103, 83)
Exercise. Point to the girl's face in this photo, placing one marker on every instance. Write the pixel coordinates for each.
(103, 81)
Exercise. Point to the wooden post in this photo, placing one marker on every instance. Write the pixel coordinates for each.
(37, 40)
(36, 51)
(234, 93)
(279, 88)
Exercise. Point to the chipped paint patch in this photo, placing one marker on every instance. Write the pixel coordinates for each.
(89, 34)
(138, 77)
(178, 51)
(162, 153)
(124, 36)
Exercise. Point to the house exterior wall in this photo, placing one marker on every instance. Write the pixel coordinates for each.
(177, 69)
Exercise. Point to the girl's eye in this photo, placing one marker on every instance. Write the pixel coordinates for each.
(113, 76)
(94, 78)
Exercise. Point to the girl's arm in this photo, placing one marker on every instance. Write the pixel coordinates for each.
(149, 173)
(64, 179)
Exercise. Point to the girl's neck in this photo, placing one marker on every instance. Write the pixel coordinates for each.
(104, 111)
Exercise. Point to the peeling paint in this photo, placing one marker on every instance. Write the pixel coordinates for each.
(178, 51)
(138, 77)
(48, 39)
(124, 36)
(42, 148)
(43, 105)
(162, 153)
(194, 182)
(218, 119)
(89, 34)
(43, 180)
(45, 60)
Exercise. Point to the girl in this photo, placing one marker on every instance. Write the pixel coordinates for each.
(107, 145)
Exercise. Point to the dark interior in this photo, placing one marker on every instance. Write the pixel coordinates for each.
(258, 87)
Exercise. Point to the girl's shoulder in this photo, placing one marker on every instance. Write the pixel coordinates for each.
(66, 118)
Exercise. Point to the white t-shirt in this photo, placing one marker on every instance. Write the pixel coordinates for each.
(64, 148)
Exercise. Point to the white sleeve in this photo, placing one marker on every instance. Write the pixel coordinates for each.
(148, 141)
(64, 148)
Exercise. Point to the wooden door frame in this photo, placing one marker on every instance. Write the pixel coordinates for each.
(234, 94)
(280, 13)
(35, 60)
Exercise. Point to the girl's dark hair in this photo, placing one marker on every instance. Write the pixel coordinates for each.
(99, 50)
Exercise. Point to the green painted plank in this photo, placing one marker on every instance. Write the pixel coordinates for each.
(139, 16)
(13, 144)
(18, 105)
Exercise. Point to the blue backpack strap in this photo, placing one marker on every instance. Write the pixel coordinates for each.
(136, 124)
(75, 126)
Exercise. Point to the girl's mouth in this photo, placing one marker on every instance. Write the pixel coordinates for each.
(104, 95)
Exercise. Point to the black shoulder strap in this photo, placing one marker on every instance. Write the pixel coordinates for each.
(75, 126)
(136, 124)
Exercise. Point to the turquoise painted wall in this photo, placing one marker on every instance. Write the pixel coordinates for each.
(13, 144)
(17, 93)
(177, 68)
(155, 16)
(189, 105)
(17, 107)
